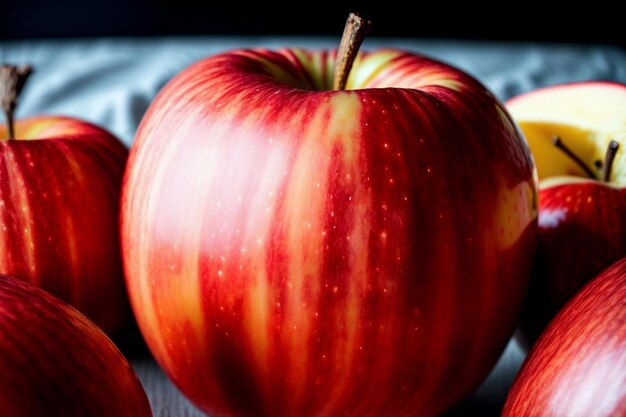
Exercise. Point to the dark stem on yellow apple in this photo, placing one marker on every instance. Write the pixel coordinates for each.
(606, 166)
(556, 141)
(608, 159)
(351, 40)
(12, 81)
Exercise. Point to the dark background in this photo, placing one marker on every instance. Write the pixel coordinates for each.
(507, 20)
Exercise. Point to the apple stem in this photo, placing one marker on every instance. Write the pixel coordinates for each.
(353, 35)
(611, 150)
(556, 141)
(12, 81)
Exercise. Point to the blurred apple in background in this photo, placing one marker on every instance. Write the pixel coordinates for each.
(292, 248)
(60, 181)
(56, 363)
(578, 366)
(577, 134)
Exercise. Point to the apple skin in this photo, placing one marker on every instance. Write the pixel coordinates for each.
(582, 222)
(578, 365)
(55, 362)
(291, 250)
(60, 185)
(582, 230)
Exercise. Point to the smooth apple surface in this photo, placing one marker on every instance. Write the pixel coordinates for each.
(582, 221)
(60, 182)
(578, 366)
(582, 230)
(292, 250)
(55, 362)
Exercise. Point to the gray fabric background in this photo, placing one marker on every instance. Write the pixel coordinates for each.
(112, 81)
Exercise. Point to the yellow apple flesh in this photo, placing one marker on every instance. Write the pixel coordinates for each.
(586, 116)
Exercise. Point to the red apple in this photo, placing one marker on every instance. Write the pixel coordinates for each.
(578, 366)
(60, 181)
(582, 215)
(55, 362)
(291, 249)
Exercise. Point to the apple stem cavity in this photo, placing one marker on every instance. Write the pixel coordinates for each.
(353, 35)
(611, 150)
(12, 80)
(556, 141)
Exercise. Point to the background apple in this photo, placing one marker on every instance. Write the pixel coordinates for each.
(578, 366)
(60, 181)
(55, 362)
(582, 215)
(291, 249)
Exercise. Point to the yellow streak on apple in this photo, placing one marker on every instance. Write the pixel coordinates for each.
(48, 127)
(502, 212)
(256, 236)
(349, 122)
(368, 68)
(375, 71)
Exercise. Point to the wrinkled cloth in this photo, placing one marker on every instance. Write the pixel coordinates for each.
(111, 82)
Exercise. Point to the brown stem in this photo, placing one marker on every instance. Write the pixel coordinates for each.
(351, 40)
(12, 80)
(556, 141)
(608, 159)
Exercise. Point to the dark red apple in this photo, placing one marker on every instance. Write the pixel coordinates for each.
(60, 181)
(295, 250)
(54, 362)
(578, 366)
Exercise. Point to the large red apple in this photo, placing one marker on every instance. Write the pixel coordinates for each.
(578, 366)
(54, 362)
(582, 214)
(291, 249)
(60, 181)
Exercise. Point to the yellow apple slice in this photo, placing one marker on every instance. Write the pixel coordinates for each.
(586, 116)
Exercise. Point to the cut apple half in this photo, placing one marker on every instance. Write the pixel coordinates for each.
(585, 117)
